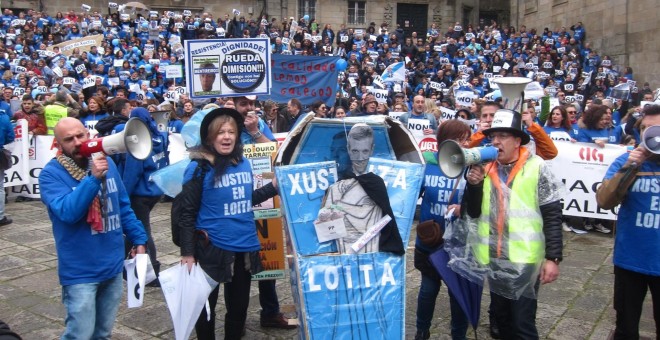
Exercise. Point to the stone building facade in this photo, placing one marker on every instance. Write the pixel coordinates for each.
(626, 30)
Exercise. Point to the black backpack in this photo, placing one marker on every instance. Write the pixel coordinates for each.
(196, 184)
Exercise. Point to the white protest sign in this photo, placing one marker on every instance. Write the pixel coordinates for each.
(80, 68)
(417, 127)
(378, 81)
(19, 91)
(534, 90)
(447, 113)
(395, 115)
(88, 82)
(171, 96)
(464, 98)
(435, 85)
(381, 95)
(173, 71)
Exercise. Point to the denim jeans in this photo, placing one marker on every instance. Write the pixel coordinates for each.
(91, 308)
(428, 293)
(270, 305)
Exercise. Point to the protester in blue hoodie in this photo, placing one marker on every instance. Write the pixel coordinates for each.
(136, 175)
(90, 246)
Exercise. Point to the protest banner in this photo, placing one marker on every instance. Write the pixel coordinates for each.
(18, 174)
(174, 71)
(305, 78)
(40, 152)
(84, 44)
(267, 215)
(227, 67)
(582, 166)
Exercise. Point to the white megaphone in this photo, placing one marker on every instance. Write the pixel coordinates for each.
(513, 91)
(161, 118)
(135, 139)
(453, 159)
(651, 139)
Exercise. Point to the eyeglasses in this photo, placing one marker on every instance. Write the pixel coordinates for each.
(499, 135)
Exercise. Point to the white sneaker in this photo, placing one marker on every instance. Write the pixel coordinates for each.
(565, 227)
(579, 231)
(588, 227)
(601, 228)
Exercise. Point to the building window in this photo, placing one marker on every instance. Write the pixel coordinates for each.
(307, 7)
(356, 12)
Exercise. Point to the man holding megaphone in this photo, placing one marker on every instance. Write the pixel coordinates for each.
(90, 212)
(513, 204)
(632, 181)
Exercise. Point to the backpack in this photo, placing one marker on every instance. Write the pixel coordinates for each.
(197, 184)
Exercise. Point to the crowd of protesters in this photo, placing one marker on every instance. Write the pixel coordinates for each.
(137, 46)
(126, 70)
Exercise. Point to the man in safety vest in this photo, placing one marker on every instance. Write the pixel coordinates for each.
(515, 214)
(63, 106)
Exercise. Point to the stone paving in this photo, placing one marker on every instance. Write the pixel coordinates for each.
(577, 306)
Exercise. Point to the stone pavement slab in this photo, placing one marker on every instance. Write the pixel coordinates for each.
(577, 306)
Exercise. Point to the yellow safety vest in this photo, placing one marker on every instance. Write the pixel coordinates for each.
(518, 235)
(53, 113)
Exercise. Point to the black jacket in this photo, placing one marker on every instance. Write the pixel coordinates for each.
(192, 199)
(105, 126)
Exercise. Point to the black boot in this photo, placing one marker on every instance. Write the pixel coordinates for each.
(494, 329)
(422, 335)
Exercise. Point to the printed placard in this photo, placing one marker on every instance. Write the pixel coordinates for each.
(228, 67)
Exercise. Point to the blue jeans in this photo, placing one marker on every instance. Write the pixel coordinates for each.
(91, 308)
(428, 293)
(270, 305)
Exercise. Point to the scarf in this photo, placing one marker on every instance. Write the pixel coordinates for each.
(94, 215)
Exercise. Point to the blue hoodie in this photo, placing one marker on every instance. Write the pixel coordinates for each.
(136, 174)
(84, 255)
